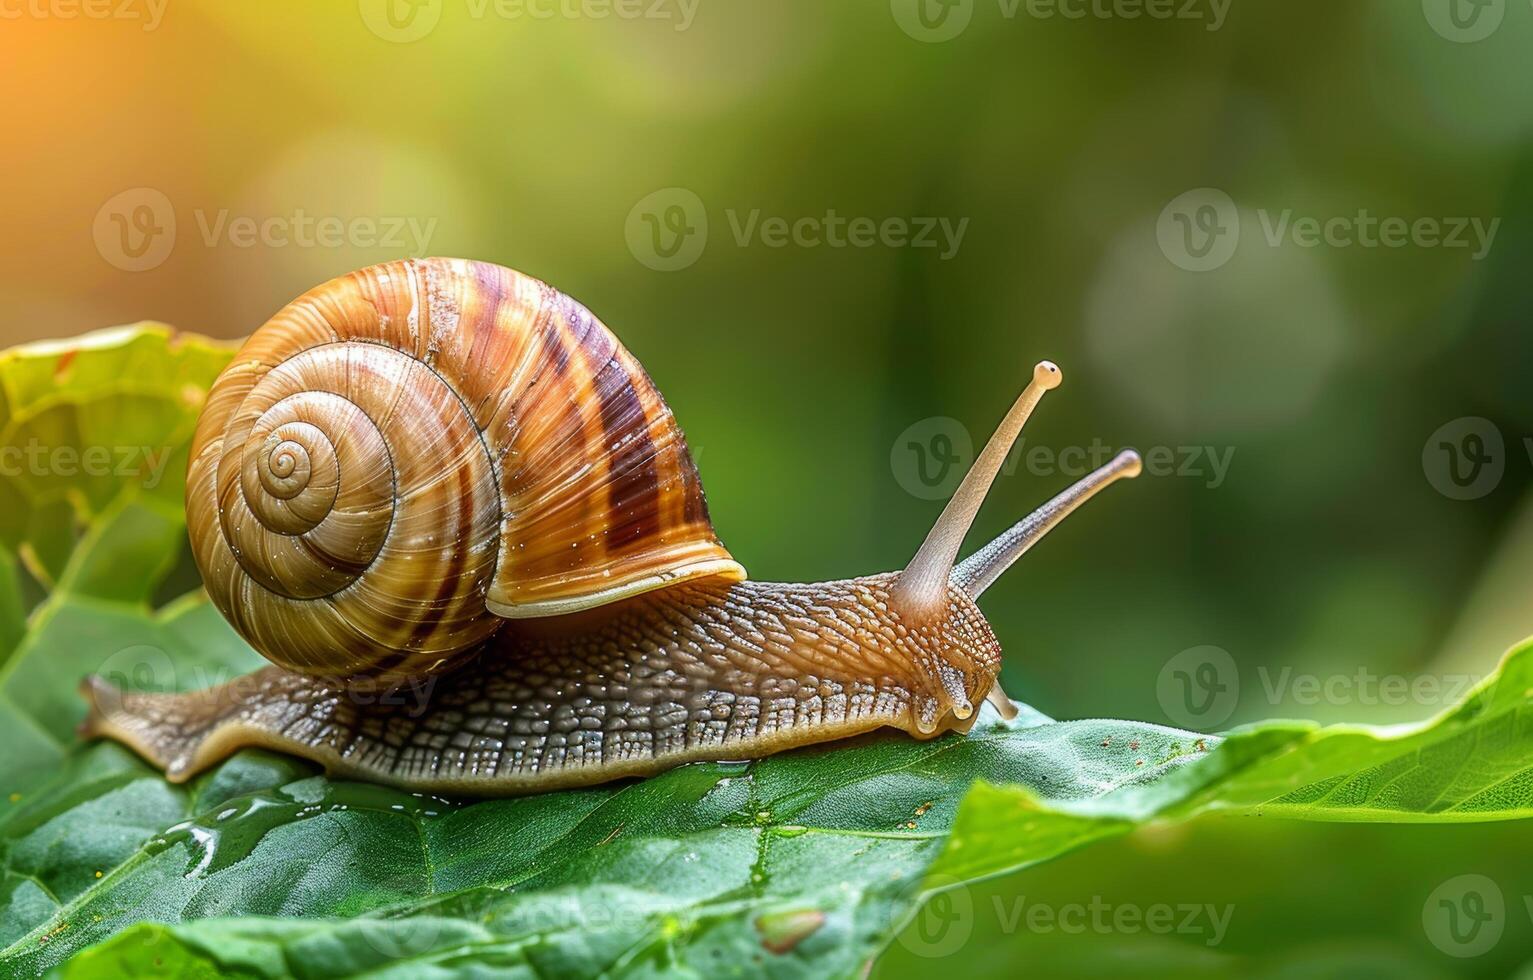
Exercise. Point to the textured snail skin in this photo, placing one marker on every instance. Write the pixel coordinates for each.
(702, 670)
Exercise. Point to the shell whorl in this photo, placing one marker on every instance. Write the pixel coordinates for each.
(405, 455)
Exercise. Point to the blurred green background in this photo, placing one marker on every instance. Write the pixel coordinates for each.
(1188, 209)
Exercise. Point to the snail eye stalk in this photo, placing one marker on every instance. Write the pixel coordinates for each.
(921, 590)
(922, 587)
(980, 569)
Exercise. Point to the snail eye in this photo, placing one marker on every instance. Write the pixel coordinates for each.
(922, 587)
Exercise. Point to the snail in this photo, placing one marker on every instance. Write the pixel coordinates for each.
(446, 479)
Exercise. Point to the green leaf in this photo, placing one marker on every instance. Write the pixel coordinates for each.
(802, 863)
(99, 526)
(1473, 762)
(806, 863)
(85, 425)
(819, 854)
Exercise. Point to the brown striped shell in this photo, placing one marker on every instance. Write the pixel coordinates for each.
(405, 455)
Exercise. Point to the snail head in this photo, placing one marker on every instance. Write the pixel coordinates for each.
(934, 597)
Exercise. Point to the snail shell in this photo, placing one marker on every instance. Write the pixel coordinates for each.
(405, 456)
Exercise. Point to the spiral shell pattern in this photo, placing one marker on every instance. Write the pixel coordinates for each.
(405, 455)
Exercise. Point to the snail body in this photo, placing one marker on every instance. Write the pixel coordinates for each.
(460, 521)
